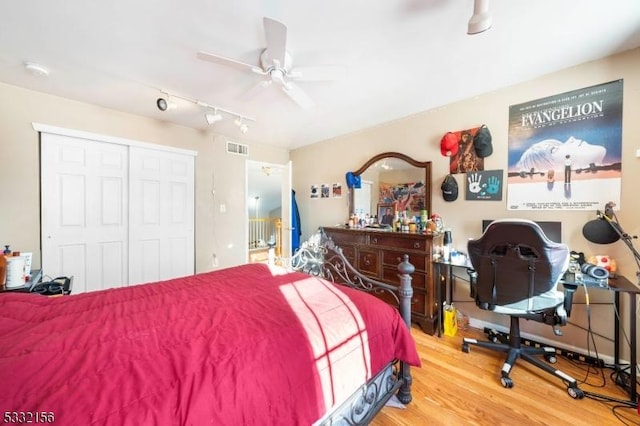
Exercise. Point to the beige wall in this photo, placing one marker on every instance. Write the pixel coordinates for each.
(419, 135)
(220, 177)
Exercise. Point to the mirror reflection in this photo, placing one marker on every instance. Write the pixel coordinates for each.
(392, 183)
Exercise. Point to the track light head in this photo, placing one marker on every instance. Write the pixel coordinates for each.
(212, 117)
(481, 19)
(165, 104)
(241, 125)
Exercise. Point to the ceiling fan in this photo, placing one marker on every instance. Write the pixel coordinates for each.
(275, 66)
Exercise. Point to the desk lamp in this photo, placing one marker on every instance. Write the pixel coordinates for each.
(606, 230)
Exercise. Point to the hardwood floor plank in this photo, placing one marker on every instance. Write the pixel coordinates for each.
(457, 388)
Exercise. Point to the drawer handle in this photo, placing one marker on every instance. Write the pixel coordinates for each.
(416, 245)
(375, 240)
(367, 262)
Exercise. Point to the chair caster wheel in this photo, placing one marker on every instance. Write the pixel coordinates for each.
(493, 336)
(506, 382)
(551, 359)
(575, 393)
(465, 348)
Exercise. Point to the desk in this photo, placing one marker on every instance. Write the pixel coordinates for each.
(618, 285)
(444, 275)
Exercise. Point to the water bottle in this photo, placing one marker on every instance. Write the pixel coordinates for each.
(446, 249)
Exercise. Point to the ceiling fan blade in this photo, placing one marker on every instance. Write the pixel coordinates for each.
(254, 90)
(276, 35)
(298, 95)
(205, 56)
(321, 73)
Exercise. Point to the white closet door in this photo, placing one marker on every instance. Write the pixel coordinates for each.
(84, 211)
(161, 202)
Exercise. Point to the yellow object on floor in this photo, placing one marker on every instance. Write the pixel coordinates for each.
(450, 320)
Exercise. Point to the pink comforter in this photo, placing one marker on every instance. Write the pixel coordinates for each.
(238, 346)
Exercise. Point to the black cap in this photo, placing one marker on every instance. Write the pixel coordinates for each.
(482, 142)
(449, 188)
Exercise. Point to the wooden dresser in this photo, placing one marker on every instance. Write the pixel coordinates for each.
(377, 254)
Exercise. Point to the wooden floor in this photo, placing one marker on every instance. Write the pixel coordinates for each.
(457, 388)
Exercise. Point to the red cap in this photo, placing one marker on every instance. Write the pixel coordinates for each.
(449, 144)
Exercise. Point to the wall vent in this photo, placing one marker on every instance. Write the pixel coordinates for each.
(237, 148)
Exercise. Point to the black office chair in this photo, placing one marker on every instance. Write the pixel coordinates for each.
(516, 271)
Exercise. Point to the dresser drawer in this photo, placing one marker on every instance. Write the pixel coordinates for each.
(369, 262)
(419, 244)
(395, 257)
(349, 252)
(390, 275)
(348, 237)
(418, 302)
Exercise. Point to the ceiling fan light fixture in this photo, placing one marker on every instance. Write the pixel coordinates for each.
(481, 19)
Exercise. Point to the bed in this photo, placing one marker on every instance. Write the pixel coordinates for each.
(252, 344)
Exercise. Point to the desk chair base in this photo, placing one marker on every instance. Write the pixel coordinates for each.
(514, 349)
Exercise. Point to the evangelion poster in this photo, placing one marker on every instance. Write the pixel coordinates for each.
(565, 150)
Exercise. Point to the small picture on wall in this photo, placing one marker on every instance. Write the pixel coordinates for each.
(325, 190)
(314, 191)
(484, 185)
(337, 190)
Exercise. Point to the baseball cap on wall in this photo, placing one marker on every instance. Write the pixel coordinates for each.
(482, 142)
(449, 144)
(449, 188)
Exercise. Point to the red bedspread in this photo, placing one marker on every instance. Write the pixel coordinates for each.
(237, 346)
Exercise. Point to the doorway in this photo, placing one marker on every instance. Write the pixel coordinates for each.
(268, 212)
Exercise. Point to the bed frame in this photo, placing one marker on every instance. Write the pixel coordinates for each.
(320, 256)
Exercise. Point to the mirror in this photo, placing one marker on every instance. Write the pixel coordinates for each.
(390, 181)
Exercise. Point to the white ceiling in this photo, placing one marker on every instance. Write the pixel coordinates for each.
(400, 56)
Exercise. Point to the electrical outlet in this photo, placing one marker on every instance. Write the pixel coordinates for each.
(214, 260)
(223, 208)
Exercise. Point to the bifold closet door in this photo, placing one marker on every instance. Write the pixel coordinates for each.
(84, 196)
(161, 215)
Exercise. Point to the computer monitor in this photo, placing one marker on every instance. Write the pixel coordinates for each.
(553, 230)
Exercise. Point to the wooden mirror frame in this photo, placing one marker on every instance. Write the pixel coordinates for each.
(426, 165)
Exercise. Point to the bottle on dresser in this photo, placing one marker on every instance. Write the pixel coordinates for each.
(397, 222)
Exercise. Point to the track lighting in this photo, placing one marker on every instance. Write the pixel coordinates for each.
(164, 103)
(481, 19)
